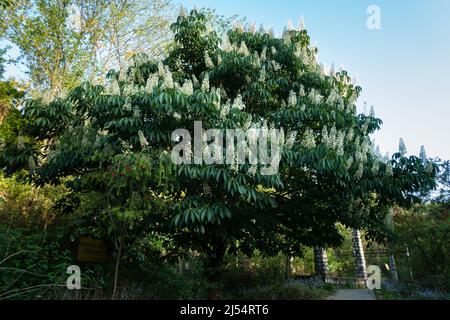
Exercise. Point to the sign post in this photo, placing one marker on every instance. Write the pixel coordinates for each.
(92, 250)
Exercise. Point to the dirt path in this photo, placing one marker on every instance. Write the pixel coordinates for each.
(353, 294)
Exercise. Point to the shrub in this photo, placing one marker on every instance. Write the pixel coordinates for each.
(281, 291)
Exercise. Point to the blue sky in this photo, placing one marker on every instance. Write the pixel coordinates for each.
(404, 68)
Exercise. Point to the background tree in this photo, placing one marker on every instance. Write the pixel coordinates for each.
(63, 42)
(11, 123)
(425, 231)
(131, 27)
(3, 61)
(444, 181)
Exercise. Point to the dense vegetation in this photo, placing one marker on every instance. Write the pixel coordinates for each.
(96, 162)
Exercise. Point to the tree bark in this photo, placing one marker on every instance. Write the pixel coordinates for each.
(213, 269)
(116, 270)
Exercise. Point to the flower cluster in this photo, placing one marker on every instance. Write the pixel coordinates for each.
(225, 109)
(289, 143)
(205, 83)
(161, 69)
(340, 143)
(375, 167)
(359, 173)
(275, 66)
(238, 103)
(402, 147)
(243, 49)
(152, 83)
(113, 88)
(253, 169)
(333, 97)
(308, 140)
(226, 44)
(315, 96)
(187, 88)
(263, 55)
(292, 100)
(208, 62)
(142, 140)
(262, 75)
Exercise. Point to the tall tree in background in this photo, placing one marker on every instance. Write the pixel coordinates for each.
(131, 27)
(2, 62)
(11, 122)
(64, 41)
(8, 90)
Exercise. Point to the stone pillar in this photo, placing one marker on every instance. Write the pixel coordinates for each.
(320, 262)
(393, 268)
(288, 267)
(358, 254)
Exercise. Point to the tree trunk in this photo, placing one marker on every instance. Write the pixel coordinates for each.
(409, 264)
(358, 254)
(213, 270)
(116, 270)
(320, 262)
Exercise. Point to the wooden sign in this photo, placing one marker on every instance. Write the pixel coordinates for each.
(91, 250)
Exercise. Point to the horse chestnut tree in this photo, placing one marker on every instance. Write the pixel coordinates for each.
(115, 140)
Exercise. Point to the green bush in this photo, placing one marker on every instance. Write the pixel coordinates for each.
(31, 262)
(280, 291)
(30, 265)
(426, 232)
